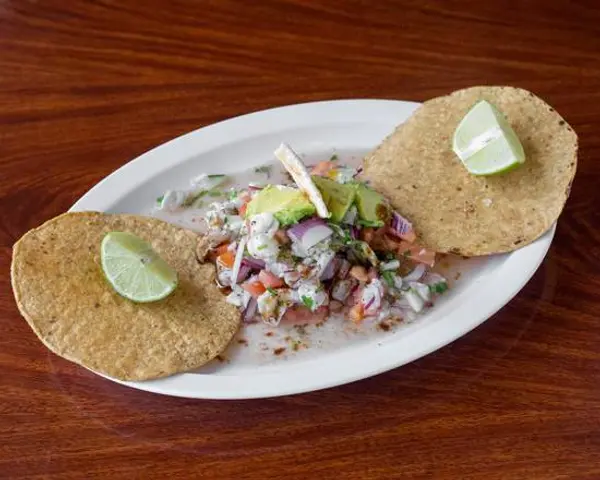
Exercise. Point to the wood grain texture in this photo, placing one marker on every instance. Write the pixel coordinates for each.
(86, 86)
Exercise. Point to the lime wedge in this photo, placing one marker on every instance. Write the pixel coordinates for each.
(486, 143)
(134, 270)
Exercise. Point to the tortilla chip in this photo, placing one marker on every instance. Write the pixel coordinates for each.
(454, 211)
(61, 290)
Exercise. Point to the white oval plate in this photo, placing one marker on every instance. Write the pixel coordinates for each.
(350, 127)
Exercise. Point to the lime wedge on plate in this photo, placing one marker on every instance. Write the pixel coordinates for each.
(486, 143)
(134, 270)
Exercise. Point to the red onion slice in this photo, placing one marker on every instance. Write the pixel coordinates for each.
(250, 311)
(402, 228)
(310, 232)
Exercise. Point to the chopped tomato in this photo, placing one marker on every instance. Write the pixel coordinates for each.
(357, 313)
(221, 249)
(256, 288)
(367, 234)
(322, 168)
(269, 280)
(409, 236)
(382, 241)
(300, 315)
(242, 210)
(245, 197)
(373, 274)
(416, 253)
(226, 259)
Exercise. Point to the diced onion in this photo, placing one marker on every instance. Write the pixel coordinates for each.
(402, 228)
(310, 232)
(237, 263)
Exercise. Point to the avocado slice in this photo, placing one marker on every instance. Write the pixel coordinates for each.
(338, 197)
(372, 206)
(287, 204)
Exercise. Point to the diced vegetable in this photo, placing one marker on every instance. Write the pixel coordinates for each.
(224, 247)
(243, 273)
(351, 216)
(438, 288)
(308, 302)
(365, 252)
(237, 263)
(226, 259)
(338, 197)
(414, 300)
(322, 168)
(254, 288)
(300, 315)
(269, 280)
(431, 278)
(330, 269)
(254, 263)
(402, 228)
(422, 290)
(242, 210)
(357, 313)
(310, 232)
(360, 273)
(250, 311)
(342, 289)
(372, 206)
(391, 265)
(416, 274)
(388, 276)
(417, 253)
(344, 268)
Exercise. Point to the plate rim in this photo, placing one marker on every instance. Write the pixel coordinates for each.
(149, 164)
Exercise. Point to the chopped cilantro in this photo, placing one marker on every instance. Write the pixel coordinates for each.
(366, 223)
(309, 302)
(388, 276)
(191, 199)
(225, 220)
(233, 194)
(334, 158)
(160, 199)
(217, 176)
(261, 247)
(214, 193)
(266, 169)
(438, 287)
(390, 256)
(271, 291)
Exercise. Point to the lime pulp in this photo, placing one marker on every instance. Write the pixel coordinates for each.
(486, 143)
(134, 269)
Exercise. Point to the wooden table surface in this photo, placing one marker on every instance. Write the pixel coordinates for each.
(87, 86)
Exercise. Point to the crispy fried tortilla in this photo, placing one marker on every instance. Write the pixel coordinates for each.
(60, 289)
(454, 211)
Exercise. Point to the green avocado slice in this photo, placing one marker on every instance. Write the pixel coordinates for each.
(288, 205)
(373, 209)
(338, 197)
